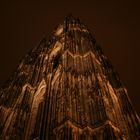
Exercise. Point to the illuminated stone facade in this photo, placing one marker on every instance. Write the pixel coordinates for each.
(67, 89)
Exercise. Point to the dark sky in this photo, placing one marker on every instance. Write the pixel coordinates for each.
(114, 23)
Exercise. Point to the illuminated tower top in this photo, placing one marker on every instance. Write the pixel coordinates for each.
(67, 89)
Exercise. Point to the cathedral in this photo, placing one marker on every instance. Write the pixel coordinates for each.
(65, 88)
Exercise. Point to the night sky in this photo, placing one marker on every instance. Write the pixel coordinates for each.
(114, 23)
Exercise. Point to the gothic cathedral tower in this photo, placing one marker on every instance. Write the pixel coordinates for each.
(67, 89)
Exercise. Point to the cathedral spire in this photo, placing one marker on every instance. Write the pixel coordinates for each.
(67, 89)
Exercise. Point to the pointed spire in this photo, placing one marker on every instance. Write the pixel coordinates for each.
(67, 92)
(70, 20)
